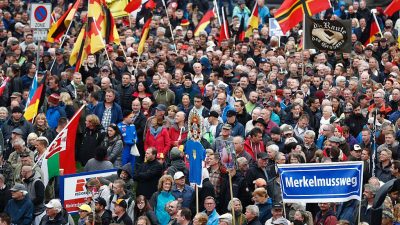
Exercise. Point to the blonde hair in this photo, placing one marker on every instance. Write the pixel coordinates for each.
(66, 98)
(41, 116)
(163, 179)
(202, 218)
(260, 192)
(93, 119)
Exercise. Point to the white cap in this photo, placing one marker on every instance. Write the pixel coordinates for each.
(54, 203)
(371, 121)
(178, 175)
(19, 25)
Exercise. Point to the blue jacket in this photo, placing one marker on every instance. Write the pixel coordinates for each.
(128, 133)
(53, 114)
(265, 211)
(21, 212)
(116, 112)
(192, 91)
(185, 195)
(213, 218)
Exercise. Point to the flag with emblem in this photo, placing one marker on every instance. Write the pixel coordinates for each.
(60, 155)
(291, 11)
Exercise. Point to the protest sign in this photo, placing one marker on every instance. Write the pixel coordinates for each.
(73, 191)
(321, 182)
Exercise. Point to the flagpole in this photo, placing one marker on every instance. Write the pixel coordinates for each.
(377, 24)
(231, 192)
(216, 9)
(170, 27)
(197, 198)
(302, 50)
(223, 20)
(61, 44)
(59, 134)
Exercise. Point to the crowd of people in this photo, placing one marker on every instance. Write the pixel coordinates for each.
(266, 98)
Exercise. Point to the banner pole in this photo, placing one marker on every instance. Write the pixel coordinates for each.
(170, 27)
(197, 199)
(231, 191)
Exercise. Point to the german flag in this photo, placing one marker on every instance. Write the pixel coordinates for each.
(204, 22)
(254, 21)
(35, 98)
(146, 11)
(240, 33)
(374, 29)
(58, 29)
(145, 33)
(291, 11)
(392, 8)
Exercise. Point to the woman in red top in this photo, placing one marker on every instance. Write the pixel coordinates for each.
(141, 91)
(157, 136)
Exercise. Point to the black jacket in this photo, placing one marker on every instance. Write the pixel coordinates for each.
(255, 221)
(125, 219)
(5, 195)
(125, 96)
(90, 141)
(239, 189)
(10, 125)
(106, 218)
(255, 172)
(60, 219)
(147, 176)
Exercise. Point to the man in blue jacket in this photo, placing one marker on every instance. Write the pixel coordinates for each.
(108, 111)
(20, 207)
(54, 111)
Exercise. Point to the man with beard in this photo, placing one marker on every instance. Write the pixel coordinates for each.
(101, 211)
(356, 120)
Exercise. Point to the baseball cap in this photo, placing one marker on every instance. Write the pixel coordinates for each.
(275, 130)
(231, 113)
(161, 107)
(54, 203)
(16, 109)
(101, 201)
(357, 147)
(121, 202)
(85, 207)
(178, 175)
(334, 139)
(18, 187)
(214, 114)
(287, 129)
(262, 155)
(227, 126)
(277, 206)
(15, 94)
(17, 131)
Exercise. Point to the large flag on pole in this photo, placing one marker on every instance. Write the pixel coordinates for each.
(204, 22)
(329, 35)
(35, 98)
(145, 33)
(61, 152)
(58, 29)
(374, 29)
(254, 21)
(392, 8)
(240, 35)
(291, 11)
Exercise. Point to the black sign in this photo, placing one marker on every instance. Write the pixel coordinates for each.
(331, 35)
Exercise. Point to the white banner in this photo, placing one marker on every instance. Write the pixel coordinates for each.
(73, 188)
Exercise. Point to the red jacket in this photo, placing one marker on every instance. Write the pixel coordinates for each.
(252, 148)
(162, 142)
(174, 135)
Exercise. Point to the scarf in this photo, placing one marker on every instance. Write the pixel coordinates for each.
(154, 131)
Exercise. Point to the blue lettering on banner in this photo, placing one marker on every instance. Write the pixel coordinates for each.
(321, 182)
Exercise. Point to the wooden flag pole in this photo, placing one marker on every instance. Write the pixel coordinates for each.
(60, 47)
(170, 27)
(231, 190)
(197, 199)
